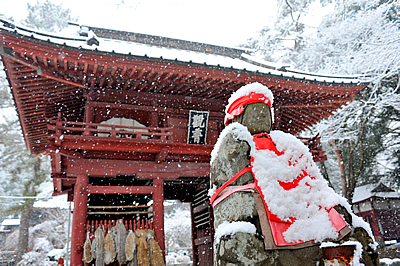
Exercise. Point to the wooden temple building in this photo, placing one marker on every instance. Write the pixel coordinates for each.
(379, 205)
(129, 120)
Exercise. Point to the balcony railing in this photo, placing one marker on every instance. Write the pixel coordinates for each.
(58, 127)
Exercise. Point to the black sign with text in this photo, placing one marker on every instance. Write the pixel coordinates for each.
(197, 127)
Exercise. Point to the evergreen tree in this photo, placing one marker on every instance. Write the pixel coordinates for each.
(22, 173)
(47, 16)
(364, 41)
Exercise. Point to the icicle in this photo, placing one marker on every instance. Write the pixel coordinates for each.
(87, 255)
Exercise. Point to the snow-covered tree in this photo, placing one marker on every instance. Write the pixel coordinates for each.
(48, 16)
(362, 38)
(294, 23)
(53, 229)
(22, 173)
(357, 37)
(177, 224)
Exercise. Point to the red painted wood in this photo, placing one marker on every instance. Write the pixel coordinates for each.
(23, 46)
(158, 212)
(18, 104)
(194, 236)
(129, 145)
(79, 219)
(126, 167)
(120, 189)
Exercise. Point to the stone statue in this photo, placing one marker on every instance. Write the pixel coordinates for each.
(271, 205)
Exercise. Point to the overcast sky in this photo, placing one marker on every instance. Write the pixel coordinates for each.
(220, 22)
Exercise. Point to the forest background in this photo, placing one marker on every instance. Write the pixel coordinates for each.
(361, 140)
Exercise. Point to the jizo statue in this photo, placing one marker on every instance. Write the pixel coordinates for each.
(271, 205)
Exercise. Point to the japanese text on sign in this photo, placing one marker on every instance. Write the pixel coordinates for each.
(197, 129)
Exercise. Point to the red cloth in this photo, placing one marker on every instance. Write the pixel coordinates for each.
(278, 227)
(237, 107)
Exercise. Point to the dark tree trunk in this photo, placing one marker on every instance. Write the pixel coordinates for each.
(23, 238)
(324, 173)
(341, 167)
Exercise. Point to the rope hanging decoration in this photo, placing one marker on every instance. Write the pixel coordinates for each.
(87, 246)
(130, 246)
(98, 247)
(156, 255)
(117, 244)
(109, 249)
(143, 255)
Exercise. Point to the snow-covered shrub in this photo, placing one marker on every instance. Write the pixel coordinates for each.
(178, 228)
(42, 245)
(37, 259)
(53, 231)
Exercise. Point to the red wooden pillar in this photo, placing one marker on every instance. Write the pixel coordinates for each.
(194, 237)
(158, 212)
(79, 219)
(89, 113)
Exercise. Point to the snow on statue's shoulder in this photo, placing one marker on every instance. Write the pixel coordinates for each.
(227, 228)
(238, 131)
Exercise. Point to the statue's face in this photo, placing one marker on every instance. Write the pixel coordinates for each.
(257, 118)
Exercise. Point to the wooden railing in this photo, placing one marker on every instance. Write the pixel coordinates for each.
(58, 127)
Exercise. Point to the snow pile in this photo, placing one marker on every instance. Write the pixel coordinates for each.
(227, 228)
(182, 259)
(39, 254)
(307, 202)
(387, 261)
(170, 260)
(212, 190)
(249, 88)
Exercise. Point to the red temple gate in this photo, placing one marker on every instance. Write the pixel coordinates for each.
(67, 88)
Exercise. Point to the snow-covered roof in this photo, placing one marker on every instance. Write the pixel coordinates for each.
(8, 222)
(129, 43)
(195, 75)
(364, 192)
